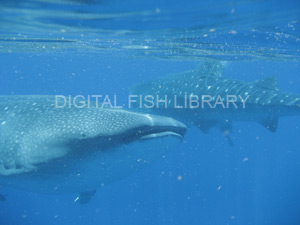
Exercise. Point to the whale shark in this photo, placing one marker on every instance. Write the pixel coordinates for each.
(221, 100)
(55, 150)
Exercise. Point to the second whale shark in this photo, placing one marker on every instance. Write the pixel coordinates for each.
(221, 100)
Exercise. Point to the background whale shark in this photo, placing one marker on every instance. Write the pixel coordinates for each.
(54, 150)
(263, 101)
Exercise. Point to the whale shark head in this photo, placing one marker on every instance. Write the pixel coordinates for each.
(51, 150)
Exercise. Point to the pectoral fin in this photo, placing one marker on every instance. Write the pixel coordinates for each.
(270, 123)
(206, 125)
(226, 129)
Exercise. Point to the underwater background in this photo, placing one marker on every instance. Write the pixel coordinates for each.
(50, 47)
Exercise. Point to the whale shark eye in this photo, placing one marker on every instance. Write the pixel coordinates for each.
(83, 135)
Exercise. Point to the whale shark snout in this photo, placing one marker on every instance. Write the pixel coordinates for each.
(155, 127)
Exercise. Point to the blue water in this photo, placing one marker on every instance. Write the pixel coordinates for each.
(71, 48)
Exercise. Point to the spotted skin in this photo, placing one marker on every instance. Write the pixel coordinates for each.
(64, 150)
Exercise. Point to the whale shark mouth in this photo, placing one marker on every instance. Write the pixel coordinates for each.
(147, 132)
(142, 133)
(162, 134)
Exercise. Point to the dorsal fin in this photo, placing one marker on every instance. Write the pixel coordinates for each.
(210, 67)
(270, 82)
